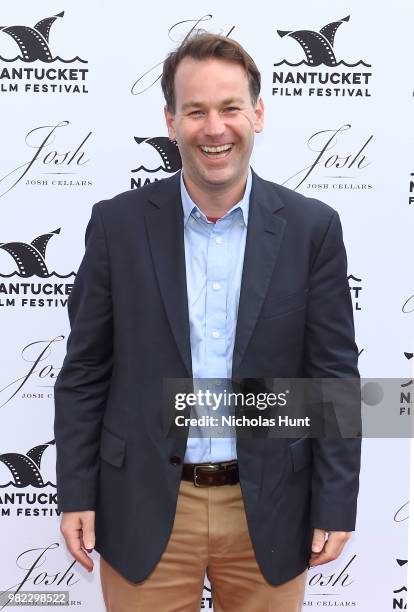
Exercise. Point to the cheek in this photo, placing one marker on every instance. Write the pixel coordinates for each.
(248, 121)
(186, 135)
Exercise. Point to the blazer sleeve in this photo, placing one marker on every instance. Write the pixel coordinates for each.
(82, 385)
(331, 352)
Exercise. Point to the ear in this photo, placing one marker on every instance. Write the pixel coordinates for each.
(169, 120)
(259, 115)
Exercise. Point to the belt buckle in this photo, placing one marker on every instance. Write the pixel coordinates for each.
(208, 466)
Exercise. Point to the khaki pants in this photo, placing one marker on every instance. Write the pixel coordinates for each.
(210, 534)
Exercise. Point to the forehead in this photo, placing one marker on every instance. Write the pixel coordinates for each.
(209, 79)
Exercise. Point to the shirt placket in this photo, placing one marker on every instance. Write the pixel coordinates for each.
(216, 320)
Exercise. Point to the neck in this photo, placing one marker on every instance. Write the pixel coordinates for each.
(215, 202)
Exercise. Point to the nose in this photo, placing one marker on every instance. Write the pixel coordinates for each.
(214, 124)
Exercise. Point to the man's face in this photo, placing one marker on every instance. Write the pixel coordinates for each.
(214, 122)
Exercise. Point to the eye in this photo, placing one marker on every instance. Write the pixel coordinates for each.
(196, 113)
(231, 109)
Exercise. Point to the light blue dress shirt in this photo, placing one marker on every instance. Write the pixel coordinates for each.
(214, 255)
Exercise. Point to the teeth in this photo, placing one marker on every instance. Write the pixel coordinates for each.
(220, 149)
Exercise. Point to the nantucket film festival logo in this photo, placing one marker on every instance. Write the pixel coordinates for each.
(355, 287)
(406, 397)
(399, 600)
(29, 62)
(26, 279)
(337, 158)
(28, 483)
(157, 155)
(316, 70)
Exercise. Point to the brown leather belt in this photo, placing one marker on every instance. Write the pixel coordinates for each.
(211, 474)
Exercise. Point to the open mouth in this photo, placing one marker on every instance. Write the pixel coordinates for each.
(217, 152)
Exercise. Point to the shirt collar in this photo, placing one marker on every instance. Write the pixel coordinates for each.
(189, 206)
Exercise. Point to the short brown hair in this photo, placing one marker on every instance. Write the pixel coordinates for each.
(203, 45)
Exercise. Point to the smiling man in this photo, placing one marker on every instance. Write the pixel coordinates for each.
(212, 274)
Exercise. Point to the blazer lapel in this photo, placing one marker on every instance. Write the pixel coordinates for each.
(264, 236)
(164, 221)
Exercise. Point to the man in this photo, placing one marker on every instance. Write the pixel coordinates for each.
(213, 273)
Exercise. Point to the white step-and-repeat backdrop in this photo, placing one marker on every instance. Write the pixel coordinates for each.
(81, 119)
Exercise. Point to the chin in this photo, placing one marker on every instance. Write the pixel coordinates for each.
(219, 177)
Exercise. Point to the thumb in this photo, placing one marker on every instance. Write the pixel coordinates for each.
(318, 541)
(88, 530)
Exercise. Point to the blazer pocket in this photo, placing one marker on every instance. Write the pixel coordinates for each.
(301, 454)
(280, 304)
(112, 448)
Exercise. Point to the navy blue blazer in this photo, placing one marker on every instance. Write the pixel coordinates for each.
(129, 330)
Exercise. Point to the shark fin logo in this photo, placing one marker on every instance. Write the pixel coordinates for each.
(30, 258)
(168, 154)
(318, 47)
(33, 42)
(25, 468)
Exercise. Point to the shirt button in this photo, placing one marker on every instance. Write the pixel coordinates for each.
(197, 214)
(216, 286)
(215, 334)
(218, 240)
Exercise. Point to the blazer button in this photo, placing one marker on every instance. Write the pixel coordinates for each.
(175, 460)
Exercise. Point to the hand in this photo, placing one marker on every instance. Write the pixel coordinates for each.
(78, 529)
(327, 549)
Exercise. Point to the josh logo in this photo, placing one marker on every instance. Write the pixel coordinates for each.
(37, 378)
(338, 158)
(408, 306)
(355, 288)
(54, 164)
(401, 514)
(157, 154)
(37, 572)
(32, 44)
(177, 33)
(317, 48)
(328, 586)
(28, 260)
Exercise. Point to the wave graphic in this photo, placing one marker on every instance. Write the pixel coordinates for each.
(340, 63)
(55, 59)
(148, 169)
(50, 275)
(16, 486)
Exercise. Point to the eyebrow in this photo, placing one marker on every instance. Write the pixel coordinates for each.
(226, 102)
